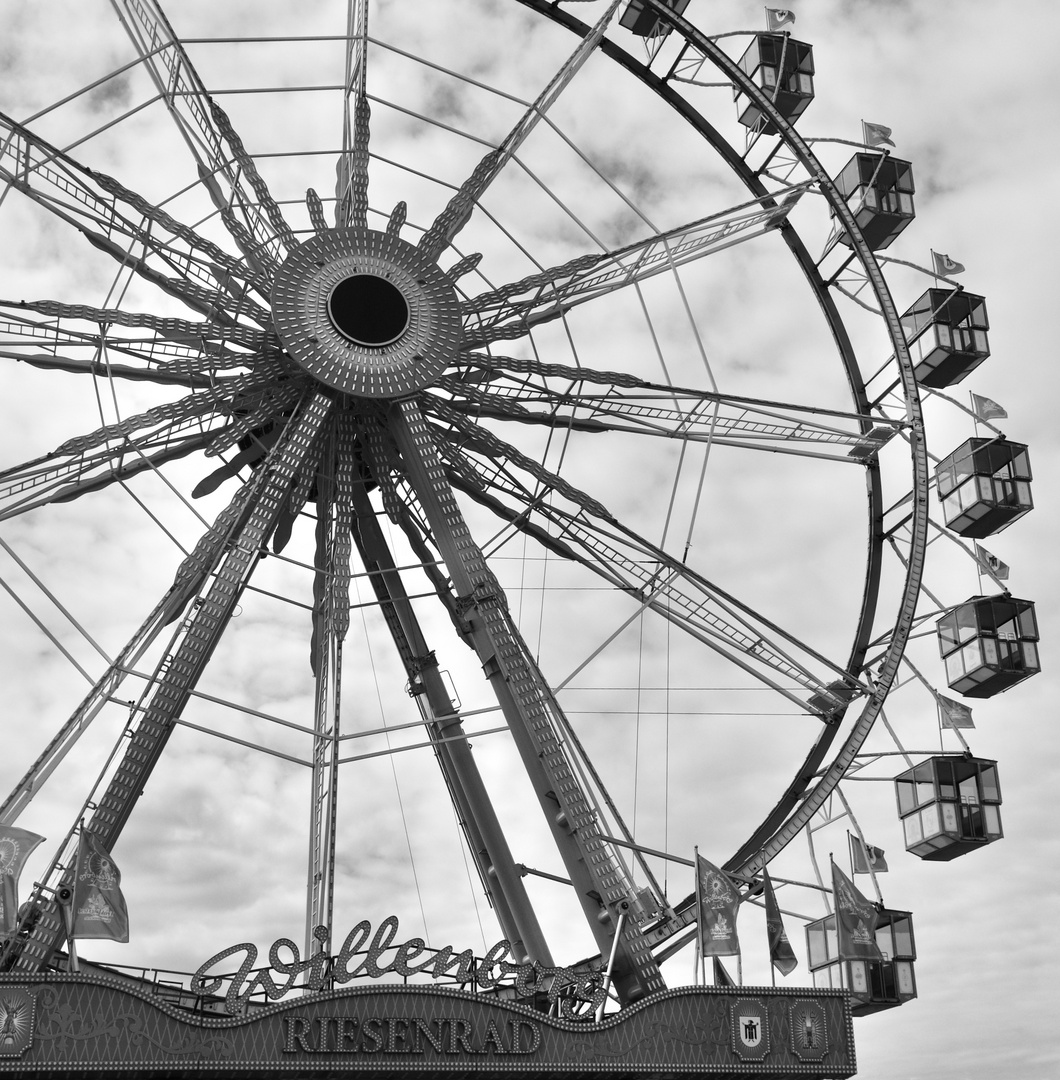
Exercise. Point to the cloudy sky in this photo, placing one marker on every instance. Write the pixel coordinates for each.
(692, 750)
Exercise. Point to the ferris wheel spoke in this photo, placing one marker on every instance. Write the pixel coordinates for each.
(117, 221)
(513, 310)
(169, 329)
(460, 207)
(675, 413)
(596, 869)
(486, 841)
(335, 480)
(591, 536)
(206, 130)
(257, 510)
(351, 186)
(171, 354)
(115, 452)
(53, 480)
(201, 561)
(106, 370)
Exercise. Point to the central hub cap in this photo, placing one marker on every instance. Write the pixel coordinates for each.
(366, 313)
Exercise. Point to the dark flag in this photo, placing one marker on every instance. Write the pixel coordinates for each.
(15, 848)
(855, 920)
(98, 907)
(718, 902)
(721, 976)
(945, 266)
(864, 858)
(781, 954)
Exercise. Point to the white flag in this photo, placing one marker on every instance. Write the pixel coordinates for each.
(997, 569)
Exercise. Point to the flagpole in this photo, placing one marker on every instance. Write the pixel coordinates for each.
(769, 940)
(700, 950)
(611, 964)
(68, 918)
(861, 840)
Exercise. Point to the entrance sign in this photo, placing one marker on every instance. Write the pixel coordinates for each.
(362, 956)
(65, 1025)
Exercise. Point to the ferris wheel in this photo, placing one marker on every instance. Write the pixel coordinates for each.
(509, 375)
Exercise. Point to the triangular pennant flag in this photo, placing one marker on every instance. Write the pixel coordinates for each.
(721, 976)
(98, 907)
(781, 954)
(15, 848)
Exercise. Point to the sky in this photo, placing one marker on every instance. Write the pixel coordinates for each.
(214, 853)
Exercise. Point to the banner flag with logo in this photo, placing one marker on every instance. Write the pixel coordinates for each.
(781, 954)
(855, 920)
(955, 714)
(98, 907)
(15, 848)
(718, 901)
(864, 858)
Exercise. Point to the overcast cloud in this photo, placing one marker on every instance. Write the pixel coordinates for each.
(213, 855)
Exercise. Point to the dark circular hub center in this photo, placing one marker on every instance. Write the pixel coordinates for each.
(368, 310)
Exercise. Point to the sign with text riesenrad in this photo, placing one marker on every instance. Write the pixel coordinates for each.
(71, 1025)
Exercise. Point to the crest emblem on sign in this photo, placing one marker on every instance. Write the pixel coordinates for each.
(750, 1029)
(16, 1021)
(750, 1032)
(809, 1031)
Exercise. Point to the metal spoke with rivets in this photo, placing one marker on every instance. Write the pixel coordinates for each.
(601, 880)
(176, 678)
(638, 407)
(461, 206)
(486, 841)
(512, 310)
(122, 224)
(351, 183)
(263, 237)
(590, 535)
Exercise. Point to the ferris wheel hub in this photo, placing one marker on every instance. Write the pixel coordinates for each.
(366, 313)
